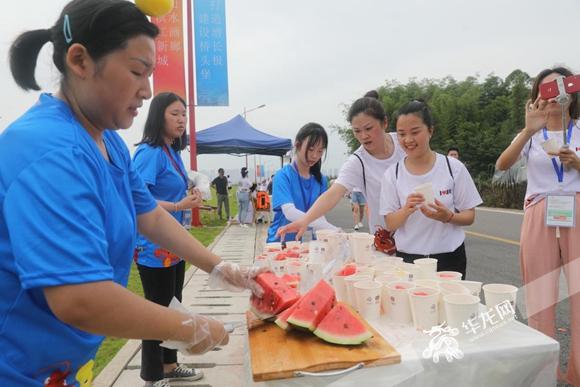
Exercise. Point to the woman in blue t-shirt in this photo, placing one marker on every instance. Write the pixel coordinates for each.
(158, 162)
(71, 204)
(297, 186)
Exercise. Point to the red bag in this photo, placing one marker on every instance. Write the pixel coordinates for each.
(384, 241)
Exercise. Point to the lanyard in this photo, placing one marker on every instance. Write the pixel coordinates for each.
(559, 169)
(174, 163)
(306, 202)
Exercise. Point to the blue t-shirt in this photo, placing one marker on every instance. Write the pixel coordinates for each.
(165, 183)
(291, 188)
(67, 216)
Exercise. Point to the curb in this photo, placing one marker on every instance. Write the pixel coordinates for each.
(109, 375)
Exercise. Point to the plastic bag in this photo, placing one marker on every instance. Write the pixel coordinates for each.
(201, 182)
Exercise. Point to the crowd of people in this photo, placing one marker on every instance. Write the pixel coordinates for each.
(65, 264)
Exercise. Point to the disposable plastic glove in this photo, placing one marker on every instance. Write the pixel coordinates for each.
(232, 277)
(208, 333)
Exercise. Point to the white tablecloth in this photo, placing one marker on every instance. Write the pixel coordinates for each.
(512, 355)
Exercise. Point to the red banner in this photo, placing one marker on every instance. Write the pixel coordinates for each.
(169, 73)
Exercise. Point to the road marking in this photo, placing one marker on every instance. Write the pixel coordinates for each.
(499, 210)
(493, 238)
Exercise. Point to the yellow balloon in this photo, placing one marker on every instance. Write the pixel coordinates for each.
(156, 8)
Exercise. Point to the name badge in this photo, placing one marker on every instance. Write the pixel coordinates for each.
(560, 210)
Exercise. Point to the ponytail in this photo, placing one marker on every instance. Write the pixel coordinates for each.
(24, 55)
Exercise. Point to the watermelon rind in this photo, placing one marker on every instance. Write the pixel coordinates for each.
(357, 333)
(282, 319)
(303, 317)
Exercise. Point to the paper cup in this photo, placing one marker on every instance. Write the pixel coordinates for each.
(362, 247)
(295, 266)
(413, 271)
(427, 267)
(448, 287)
(399, 308)
(349, 282)
(261, 261)
(317, 251)
(340, 287)
(394, 260)
(368, 270)
(424, 307)
(474, 287)
(386, 279)
(460, 308)
(427, 283)
(368, 299)
(292, 245)
(427, 191)
(448, 275)
(497, 293)
(272, 247)
(278, 267)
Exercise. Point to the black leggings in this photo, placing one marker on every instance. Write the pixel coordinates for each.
(160, 285)
(453, 261)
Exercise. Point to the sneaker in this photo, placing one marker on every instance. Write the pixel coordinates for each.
(158, 383)
(356, 227)
(182, 372)
(360, 225)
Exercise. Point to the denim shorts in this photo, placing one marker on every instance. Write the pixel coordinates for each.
(357, 198)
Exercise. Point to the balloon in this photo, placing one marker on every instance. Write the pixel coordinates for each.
(156, 8)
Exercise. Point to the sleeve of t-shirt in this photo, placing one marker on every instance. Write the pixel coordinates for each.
(142, 197)
(55, 217)
(281, 189)
(389, 200)
(351, 175)
(526, 149)
(465, 194)
(147, 163)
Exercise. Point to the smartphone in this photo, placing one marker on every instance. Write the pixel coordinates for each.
(550, 89)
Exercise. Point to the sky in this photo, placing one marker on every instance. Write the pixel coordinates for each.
(306, 59)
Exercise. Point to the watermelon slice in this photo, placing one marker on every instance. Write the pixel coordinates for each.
(347, 270)
(313, 306)
(277, 296)
(292, 280)
(343, 326)
(282, 320)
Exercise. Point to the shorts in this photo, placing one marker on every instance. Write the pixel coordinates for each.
(357, 198)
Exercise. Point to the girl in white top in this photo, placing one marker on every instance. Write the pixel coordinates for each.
(243, 196)
(544, 249)
(427, 229)
(365, 168)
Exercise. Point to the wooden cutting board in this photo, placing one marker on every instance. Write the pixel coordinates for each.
(277, 354)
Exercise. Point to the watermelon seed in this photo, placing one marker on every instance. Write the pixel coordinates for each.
(345, 325)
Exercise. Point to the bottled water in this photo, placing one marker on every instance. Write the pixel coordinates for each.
(186, 219)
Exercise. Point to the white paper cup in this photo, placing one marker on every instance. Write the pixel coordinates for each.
(497, 293)
(427, 191)
(448, 275)
(427, 266)
(449, 287)
(272, 246)
(349, 282)
(368, 299)
(367, 270)
(413, 271)
(362, 247)
(262, 261)
(394, 260)
(340, 287)
(386, 279)
(427, 283)
(460, 308)
(399, 308)
(295, 266)
(474, 287)
(317, 251)
(424, 307)
(278, 267)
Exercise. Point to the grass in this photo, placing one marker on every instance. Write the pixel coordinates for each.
(212, 226)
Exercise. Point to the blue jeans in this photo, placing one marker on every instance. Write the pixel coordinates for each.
(243, 204)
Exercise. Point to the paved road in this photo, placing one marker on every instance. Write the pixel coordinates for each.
(492, 246)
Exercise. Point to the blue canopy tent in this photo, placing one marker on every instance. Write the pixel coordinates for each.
(236, 136)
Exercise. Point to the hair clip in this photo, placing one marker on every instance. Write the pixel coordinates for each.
(155, 8)
(66, 30)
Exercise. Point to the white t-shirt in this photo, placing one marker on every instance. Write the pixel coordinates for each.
(351, 177)
(542, 177)
(244, 185)
(419, 234)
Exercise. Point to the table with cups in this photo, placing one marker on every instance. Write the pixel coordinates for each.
(434, 319)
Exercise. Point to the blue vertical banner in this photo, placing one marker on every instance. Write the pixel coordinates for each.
(211, 59)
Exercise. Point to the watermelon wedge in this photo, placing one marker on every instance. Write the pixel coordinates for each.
(277, 296)
(313, 306)
(343, 326)
(282, 320)
(347, 270)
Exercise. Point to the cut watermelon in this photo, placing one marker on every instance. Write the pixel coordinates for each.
(343, 326)
(293, 280)
(277, 296)
(313, 306)
(347, 270)
(282, 320)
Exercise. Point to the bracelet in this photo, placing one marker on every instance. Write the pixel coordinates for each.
(174, 206)
(451, 217)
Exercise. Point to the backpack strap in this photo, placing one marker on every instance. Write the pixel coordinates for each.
(363, 171)
(397, 171)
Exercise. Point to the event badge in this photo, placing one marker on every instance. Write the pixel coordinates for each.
(561, 210)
